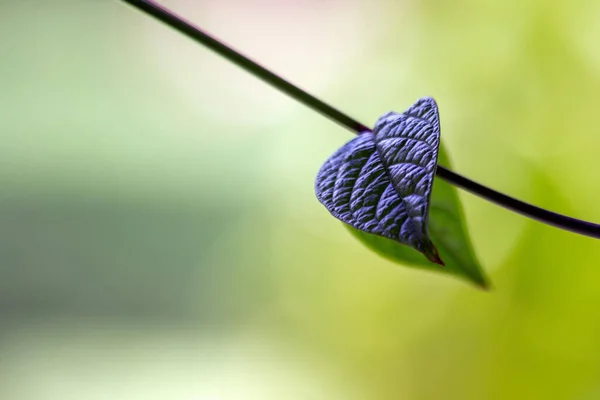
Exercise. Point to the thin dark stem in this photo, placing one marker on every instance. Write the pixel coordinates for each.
(196, 34)
(244, 62)
(518, 206)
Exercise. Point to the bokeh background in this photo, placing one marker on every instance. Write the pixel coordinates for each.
(159, 233)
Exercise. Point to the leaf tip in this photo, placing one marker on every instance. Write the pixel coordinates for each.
(481, 282)
(435, 258)
(432, 254)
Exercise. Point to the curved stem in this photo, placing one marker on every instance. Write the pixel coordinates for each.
(548, 217)
(542, 215)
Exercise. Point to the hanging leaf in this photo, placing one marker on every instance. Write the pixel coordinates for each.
(448, 231)
(381, 183)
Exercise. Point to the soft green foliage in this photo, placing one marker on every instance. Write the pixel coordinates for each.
(447, 228)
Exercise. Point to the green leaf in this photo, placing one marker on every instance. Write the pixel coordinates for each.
(382, 185)
(447, 228)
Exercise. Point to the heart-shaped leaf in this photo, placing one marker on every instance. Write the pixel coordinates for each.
(380, 184)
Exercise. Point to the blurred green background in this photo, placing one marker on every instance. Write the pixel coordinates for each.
(159, 233)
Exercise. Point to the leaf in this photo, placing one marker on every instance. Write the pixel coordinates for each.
(381, 184)
(448, 233)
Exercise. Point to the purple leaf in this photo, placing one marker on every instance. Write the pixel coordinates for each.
(380, 182)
